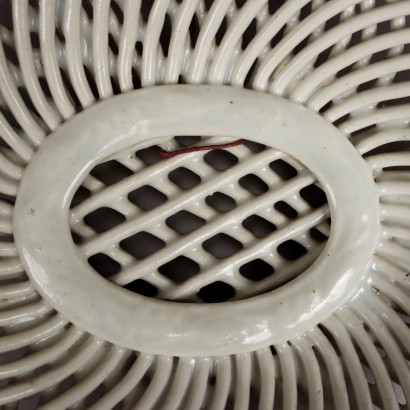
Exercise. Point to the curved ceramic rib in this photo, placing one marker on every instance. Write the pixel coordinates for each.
(179, 384)
(393, 271)
(7, 249)
(10, 305)
(392, 290)
(387, 342)
(396, 254)
(352, 362)
(72, 33)
(43, 357)
(243, 377)
(313, 377)
(8, 187)
(23, 313)
(157, 385)
(223, 56)
(337, 89)
(398, 116)
(21, 149)
(381, 161)
(197, 391)
(6, 215)
(368, 100)
(100, 47)
(371, 356)
(50, 59)
(24, 52)
(16, 290)
(126, 385)
(366, 143)
(223, 376)
(67, 367)
(341, 45)
(288, 373)
(391, 318)
(334, 368)
(128, 38)
(16, 104)
(212, 21)
(9, 168)
(288, 43)
(266, 363)
(19, 339)
(11, 268)
(151, 43)
(328, 70)
(262, 39)
(90, 382)
(179, 42)
(359, 22)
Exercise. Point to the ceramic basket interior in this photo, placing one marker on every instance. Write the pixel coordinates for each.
(205, 204)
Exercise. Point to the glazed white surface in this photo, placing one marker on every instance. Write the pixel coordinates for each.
(92, 303)
(305, 51)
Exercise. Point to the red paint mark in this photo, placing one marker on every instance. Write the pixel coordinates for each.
(170, 154)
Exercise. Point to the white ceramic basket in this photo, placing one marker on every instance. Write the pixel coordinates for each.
(205, 204)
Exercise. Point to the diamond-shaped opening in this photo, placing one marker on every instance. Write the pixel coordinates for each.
(285, 209)
(142, 245)
(216, 292)
(147, 197)
(150, 155)
(283, 169)
(401, 168)
(259, 226)
(194, 30)
(220, 159)
(256, 270)
(179, 269)
(93, 397)
(254, 146)
(291, 250)
(313, 195)
(184, 222)
(187, 140)
(222, 245)
(103, 219)
(165, 36)
(249, 33)
(111, 172)
(104, 265)
(66, 384)
(221, 31)
(13, 355)
(342, 119)
(253, 184)
(184, 178)
(393, 102)
(390, 147)
(317, 235)
(77, 239)
(80, 196)
(220, 202)
(117, 11)
(142, 287)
